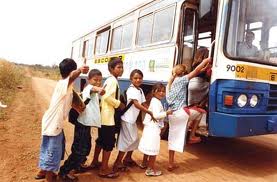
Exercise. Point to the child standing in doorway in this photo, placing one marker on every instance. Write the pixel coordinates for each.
(150, 140)
(128, 137)
(82, 132)
(53, 143)
(176, 96)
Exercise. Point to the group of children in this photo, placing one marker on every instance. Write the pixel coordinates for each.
(52, 147)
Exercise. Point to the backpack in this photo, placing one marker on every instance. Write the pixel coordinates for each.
(118, 112)
(78, 106)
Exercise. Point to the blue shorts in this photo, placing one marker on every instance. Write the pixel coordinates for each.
(51, 152)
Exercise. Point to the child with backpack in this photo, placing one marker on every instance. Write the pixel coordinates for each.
(106, 134)
(81, 146)
(128, 139)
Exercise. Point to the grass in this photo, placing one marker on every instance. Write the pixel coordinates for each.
(49, 72)
(11, 76)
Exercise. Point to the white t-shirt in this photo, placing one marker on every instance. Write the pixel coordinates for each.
(91, 115)
(52, 120)
(132, 113)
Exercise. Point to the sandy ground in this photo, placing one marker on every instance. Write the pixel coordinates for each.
(217, 159)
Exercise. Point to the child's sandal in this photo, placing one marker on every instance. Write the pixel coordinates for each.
(142, 166)
(151, 172)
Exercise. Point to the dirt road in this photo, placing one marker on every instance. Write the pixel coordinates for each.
(217, 159)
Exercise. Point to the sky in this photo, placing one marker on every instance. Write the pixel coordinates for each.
(42, 31)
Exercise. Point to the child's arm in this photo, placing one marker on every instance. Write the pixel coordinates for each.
(99, 90)
(74, 74)
(171, 79)
(199, 68)
(108, 96)
(142, 108)
(158, 113)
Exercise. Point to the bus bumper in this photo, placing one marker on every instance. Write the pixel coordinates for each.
(232, 125)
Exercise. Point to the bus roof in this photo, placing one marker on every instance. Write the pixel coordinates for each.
(147, 2)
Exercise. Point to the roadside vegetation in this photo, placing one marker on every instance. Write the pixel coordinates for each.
(49, 72)
(11, 78)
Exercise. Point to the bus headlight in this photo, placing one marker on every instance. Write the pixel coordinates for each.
(242, 100)
(254, 100)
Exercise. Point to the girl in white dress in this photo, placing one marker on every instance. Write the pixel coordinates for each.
(128, 139)
(150, 140)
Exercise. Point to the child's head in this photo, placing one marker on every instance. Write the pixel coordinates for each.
(136, 77)
(200, 55)
(66, 67)
(115, 66)
(180, 70)
(158, 90)
(95, 77)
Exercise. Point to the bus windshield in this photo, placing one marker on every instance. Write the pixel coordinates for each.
(252, 31)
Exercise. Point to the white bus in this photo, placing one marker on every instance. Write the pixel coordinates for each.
(162, 33)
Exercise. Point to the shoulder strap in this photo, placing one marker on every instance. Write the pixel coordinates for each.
(127, 107)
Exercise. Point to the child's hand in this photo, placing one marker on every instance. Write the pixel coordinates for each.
(169, 112)
(152, 117)
(101, 91)
(84, 69)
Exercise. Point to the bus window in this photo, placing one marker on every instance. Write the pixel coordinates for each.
(156, 27)
(163, 24)
(249, 30)
(89, 49)
(102, 40)
(127, 35)
(145, 30)
(204, 39)
(75, 50)
(272, 44)
(116, 40)
(122, 37)
(189, 38)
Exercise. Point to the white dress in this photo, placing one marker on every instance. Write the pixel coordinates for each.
(128, 139)
(150, 141)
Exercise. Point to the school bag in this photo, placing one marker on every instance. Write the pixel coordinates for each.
(118, 113)
(77, 107)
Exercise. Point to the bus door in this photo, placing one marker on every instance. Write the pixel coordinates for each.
(187, 34)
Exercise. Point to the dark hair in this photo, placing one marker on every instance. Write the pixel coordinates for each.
(94, 72)
(134, 72)
(157, 87)
(250, 32)
(200, 55)
(113, 62)
(67, 66)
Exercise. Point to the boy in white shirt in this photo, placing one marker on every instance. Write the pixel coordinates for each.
(53, 143)
(89, 117)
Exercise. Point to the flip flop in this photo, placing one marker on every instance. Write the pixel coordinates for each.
(111, 175)
(194, 140)
(69, 178)
(142, 166)
(172, 168)
(151, 172)
(40, 175)
(94, 166)
(130, 163)
(121, 168)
